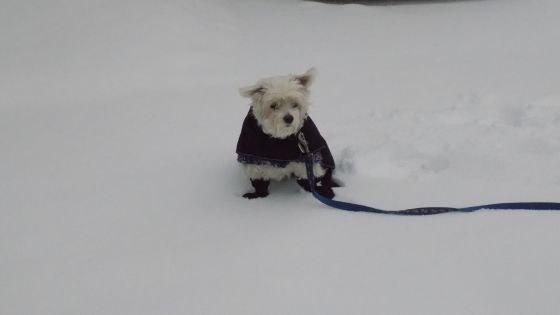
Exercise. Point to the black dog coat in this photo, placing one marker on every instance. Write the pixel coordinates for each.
(256, 147)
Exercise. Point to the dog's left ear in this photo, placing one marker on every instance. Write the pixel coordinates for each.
(307, 78)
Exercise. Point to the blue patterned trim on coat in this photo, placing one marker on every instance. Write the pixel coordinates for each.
(256, 160)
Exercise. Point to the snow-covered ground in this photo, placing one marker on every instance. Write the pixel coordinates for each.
(120, 193)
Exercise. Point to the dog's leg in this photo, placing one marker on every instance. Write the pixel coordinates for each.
(304, 183)
(327, 180)
(322, 184)
(261, 189)
(327, 184)
(323, 190)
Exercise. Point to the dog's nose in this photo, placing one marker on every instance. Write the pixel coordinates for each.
(288, 118)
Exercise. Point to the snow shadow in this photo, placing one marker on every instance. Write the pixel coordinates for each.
(388, 2)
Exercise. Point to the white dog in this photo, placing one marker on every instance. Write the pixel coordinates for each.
(268, 145)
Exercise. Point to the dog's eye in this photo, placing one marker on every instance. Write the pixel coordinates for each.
(295, 105)
(274, 106)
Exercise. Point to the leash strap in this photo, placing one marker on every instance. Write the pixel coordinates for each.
(533, 206)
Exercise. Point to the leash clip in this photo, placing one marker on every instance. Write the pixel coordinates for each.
(302, 143)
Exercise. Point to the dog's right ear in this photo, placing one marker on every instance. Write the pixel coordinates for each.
(252, 91)
(307, 78)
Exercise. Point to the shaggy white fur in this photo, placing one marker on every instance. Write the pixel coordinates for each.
(274, 101)
(268, 172)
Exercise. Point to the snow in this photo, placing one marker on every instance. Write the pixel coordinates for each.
(120, 193)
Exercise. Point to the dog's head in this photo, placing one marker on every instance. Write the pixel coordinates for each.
(280, 103)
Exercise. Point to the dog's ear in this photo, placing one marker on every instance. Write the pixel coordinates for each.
(307, 78)
(252, 91)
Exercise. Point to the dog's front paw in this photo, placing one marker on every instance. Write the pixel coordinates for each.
(304, 183)
(325, 191)
(254, 195)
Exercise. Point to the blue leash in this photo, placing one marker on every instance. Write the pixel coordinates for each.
(533, 206)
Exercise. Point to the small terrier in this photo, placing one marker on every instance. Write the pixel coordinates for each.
(268, 146)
